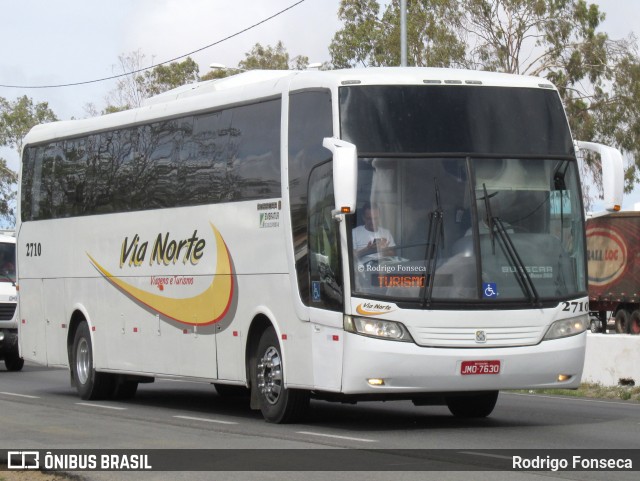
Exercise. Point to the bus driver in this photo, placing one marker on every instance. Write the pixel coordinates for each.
(371, 237)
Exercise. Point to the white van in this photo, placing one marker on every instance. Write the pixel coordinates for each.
(8, 302)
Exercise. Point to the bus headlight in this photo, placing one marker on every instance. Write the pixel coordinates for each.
(378, 328)
(567, 327)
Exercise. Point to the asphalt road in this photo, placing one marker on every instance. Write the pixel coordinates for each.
(39, 410)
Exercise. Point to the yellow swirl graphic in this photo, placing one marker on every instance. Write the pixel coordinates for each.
(208, 307)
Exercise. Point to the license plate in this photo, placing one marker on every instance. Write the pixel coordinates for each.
(470, 368)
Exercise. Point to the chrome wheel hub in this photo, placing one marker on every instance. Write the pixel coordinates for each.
(83, 361)
(270, 375)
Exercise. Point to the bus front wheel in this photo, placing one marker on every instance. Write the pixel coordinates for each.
(13, 362)
(89, 383)
(473, 405)
(278, 404)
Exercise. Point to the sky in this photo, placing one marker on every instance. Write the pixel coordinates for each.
(45, 42)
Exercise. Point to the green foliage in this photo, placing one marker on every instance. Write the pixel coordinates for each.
(271, 58)
(360, 38)
(266, 58)
(261, 58)
(133, 88)
(16, 119)
(369, 39)
(166, 77)
(218, 73)
(590, 390)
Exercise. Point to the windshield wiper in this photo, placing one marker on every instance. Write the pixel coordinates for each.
(559, 184)
(496, 226)
(435, 236)
(488, 216)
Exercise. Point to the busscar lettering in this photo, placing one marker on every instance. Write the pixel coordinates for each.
(165, 251)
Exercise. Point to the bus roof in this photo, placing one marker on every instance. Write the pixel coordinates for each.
(256, 84)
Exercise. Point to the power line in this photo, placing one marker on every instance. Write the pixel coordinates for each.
(157, 65)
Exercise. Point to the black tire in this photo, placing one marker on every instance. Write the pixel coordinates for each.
(473, 405)
(634, 322)
(230, 391)
(622, 321)
(277, 403)
(13, 362)
(89, 383)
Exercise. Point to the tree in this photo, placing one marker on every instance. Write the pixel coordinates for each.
(136, 86)
(598, 78)
(16, 119)
(271, 58)
(262, 58)
(266, 58)
(361, 37)
(369, 39)
(127, 93)
(218, 73)
(166, 77)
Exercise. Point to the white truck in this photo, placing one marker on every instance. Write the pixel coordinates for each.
(8, 303)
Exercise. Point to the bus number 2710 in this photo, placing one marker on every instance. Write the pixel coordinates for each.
(34, 249)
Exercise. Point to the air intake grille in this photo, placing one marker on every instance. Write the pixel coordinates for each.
(7, 310)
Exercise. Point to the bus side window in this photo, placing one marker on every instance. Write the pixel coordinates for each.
(324, 247)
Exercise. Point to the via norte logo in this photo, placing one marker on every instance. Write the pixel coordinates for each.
(206, 307)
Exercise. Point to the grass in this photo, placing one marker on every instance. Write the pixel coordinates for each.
(596, 391)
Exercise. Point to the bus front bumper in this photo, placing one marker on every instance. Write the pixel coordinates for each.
(373, 366)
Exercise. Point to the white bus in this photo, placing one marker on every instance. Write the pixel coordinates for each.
(8, 303)
(208, 236)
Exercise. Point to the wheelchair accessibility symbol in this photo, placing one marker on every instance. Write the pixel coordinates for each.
(489, 290)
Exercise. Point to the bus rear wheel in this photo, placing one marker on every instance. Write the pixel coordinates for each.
(89, 383)
(472, 406)
(278, 404)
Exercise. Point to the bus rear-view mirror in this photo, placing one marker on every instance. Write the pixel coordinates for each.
(345, 174)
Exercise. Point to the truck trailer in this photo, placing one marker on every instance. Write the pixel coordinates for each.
(613, 250)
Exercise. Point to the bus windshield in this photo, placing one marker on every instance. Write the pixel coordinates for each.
(7, 262)
(463, 198)
(428, 230)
